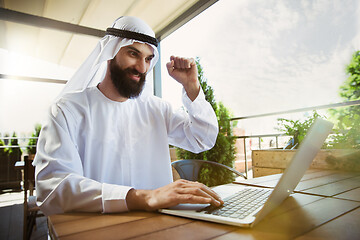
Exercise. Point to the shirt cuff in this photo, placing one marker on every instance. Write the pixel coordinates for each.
(187, 101)
(114, 198)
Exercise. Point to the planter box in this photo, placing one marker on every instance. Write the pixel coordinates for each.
(274, 161)
(10, 178)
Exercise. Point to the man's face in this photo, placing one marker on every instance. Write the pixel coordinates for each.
(129, 68)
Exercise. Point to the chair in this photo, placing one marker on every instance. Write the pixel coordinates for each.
(31, 210)
(189, 168)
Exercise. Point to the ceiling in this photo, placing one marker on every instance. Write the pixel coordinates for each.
(65, 31)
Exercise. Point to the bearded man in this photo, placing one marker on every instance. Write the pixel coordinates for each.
(105, 145)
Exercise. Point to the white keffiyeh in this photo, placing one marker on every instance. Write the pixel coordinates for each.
(93, 70)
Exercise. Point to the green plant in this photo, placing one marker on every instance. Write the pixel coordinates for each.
(350, 90)
(296, 129)
(14, 142)
(348, 119)
(2, 149)
(346, 138)
(31, 149)
(224, 149)
(6, 140)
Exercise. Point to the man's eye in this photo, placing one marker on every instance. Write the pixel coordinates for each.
(134, 54)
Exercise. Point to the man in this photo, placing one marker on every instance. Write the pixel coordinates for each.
(105, 146)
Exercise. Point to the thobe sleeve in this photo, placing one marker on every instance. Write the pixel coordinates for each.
(195, 130)
(60, 182)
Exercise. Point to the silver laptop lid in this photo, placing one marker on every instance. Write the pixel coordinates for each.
(301, 161)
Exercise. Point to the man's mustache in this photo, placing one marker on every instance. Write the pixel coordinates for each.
(135, 72)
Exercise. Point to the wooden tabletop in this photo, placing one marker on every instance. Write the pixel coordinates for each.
(326, 205)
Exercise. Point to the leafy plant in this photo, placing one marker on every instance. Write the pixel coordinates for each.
(31, 149)
(296, 128)
(350, 90)
(3, 151)
(348, 119)
(224, 150)
(14, 142)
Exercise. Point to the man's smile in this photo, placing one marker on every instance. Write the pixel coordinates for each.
(134, 75)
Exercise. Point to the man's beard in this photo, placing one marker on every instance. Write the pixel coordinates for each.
(125, 86)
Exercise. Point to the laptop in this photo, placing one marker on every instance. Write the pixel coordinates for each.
(245, 206)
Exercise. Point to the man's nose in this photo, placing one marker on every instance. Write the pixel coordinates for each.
(141, 66)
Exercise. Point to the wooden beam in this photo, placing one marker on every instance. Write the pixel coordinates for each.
(33, 79)
(42, 22)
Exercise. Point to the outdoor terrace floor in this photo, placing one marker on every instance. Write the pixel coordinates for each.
(11, 223)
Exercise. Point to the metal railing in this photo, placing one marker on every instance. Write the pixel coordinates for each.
(245, 137)
(21, 145)
(259, 137)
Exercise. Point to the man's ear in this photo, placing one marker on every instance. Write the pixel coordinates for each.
(108, 65)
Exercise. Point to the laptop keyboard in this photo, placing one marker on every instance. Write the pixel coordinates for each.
(240, 204)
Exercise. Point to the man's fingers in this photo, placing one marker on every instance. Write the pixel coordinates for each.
(180, 191)
(190, 198)
(199, 190)
(196, 195)
(170, 66)
(206, 189)
(182, 63)
(213, 194)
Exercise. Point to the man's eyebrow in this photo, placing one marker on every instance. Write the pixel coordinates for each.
(138, 51)
(133, 48)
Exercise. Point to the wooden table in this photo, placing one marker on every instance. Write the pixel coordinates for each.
(326, 205)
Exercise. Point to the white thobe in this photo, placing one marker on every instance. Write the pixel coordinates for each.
(93, 150)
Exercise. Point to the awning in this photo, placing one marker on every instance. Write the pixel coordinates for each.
(65, 31)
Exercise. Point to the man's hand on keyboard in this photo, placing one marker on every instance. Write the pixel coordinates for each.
(180, 191)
